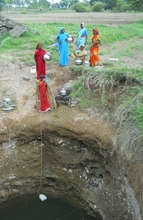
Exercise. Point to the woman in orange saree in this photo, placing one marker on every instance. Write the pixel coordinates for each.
(94, 49)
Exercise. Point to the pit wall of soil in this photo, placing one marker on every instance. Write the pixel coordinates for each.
(76, 166)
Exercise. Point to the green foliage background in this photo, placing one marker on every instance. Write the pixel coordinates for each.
(86, 5)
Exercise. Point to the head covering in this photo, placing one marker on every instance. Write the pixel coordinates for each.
(38, 46)
(82, 23)
(61, 29)
(82, 45)
(96, 31)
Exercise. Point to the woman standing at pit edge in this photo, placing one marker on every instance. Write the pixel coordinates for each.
(62, 43)
(40, 62)
(94, 49)
(82, 36)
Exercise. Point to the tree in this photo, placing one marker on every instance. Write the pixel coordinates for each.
(80, 7)
(44, 3)
(34, 4)
(98, 6)
(68, 3)
(136, 4)
(121, 6)
(86, 2)
(55, 5)
(110, 4)
(1, 4)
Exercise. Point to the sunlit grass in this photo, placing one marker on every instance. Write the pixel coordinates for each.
(37, 10)
(48, 32)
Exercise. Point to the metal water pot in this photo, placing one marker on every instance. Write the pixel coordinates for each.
(63, 92)
(70, 39)
(47, 56)
(78, 61)
(86, 63)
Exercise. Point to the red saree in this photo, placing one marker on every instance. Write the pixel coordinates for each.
(40, 62)
(44, 103)
(94, 49)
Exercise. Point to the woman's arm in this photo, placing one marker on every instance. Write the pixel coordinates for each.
(58, 40)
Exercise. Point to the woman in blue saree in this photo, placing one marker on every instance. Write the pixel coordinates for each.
(82, 36)
(62, 43)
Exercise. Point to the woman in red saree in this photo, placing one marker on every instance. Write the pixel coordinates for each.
(43, 95)
(94, 49)
(40, 62)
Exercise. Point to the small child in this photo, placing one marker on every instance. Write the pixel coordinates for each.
(43, 95)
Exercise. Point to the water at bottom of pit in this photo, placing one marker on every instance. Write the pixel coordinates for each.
(31, 208)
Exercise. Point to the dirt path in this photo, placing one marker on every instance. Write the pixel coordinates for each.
(73, 17)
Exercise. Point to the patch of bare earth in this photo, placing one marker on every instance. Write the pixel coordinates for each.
(89, 18)
(128, 52)
(18, 82)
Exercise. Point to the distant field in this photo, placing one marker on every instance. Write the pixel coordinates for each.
(73, 17)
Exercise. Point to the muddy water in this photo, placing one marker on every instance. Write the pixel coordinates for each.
(31, 208)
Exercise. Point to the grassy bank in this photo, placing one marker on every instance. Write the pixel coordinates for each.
(47, 35)
(112, 89)
(114, 85)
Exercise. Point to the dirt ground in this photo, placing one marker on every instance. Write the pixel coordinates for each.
(88, 18)
(18, 82)
(123, 51)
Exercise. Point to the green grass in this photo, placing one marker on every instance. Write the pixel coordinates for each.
(48, 32)
(139, 115)
(86, 102)
(107, 82)
(76, 70)
(78, 89)
(133, 104)
(33, 11)
(126, 52)
(113, 34)
(105, 78)
(130, 50)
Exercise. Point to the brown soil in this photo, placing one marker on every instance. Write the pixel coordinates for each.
(89, 18)
(18, 82)
(127, 56)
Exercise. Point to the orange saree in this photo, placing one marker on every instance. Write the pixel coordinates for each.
(94, 49)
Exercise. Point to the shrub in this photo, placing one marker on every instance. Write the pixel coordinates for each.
(98, 6)
(80, 7)
(1, 4)
(136, 5)
(121, 6)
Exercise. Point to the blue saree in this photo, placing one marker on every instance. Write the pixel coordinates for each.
(63, 48)
(81, 40)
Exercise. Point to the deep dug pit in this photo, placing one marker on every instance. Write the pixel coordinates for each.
(80, 161)
(81, 170)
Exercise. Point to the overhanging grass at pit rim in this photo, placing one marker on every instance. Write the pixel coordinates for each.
(128, 100)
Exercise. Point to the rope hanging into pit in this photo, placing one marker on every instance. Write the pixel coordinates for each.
(41, 157)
